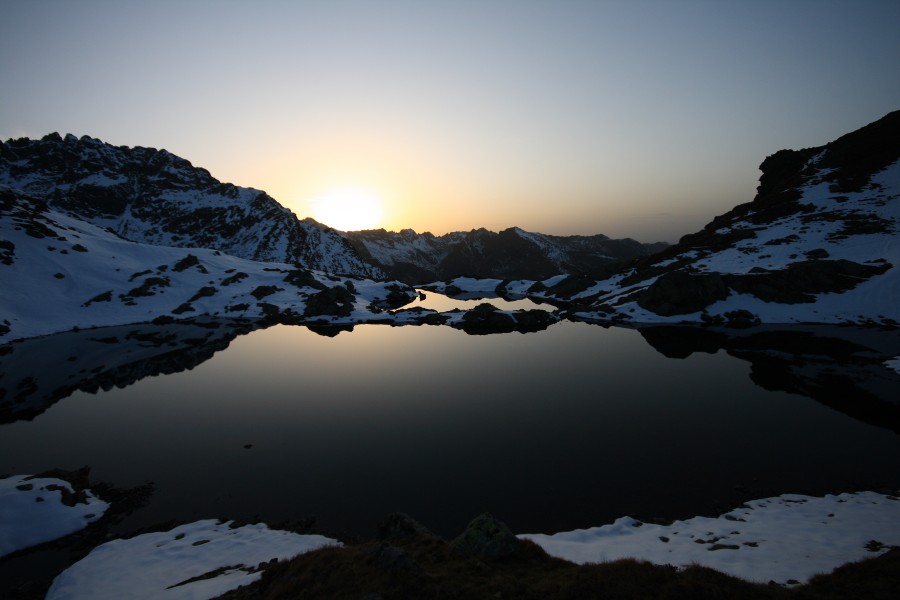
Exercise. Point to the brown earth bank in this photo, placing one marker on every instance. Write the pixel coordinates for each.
(487, 562)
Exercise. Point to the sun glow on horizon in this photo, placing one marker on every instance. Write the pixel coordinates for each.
(348, 209)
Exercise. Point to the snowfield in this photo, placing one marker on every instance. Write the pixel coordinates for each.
(198, 560)
(786, 539)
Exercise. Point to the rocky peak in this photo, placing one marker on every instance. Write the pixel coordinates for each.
(156, 197)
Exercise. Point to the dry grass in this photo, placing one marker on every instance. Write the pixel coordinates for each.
(428, 568)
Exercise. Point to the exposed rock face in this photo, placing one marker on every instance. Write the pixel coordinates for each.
(512, 253)
(152, 196)
(679, 292)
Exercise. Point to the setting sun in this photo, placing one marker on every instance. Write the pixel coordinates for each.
(348, 209)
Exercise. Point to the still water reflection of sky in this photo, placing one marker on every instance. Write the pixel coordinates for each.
(442, 303)
(566, 428)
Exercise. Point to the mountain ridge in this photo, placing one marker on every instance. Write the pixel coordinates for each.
(155, 197)
(512, 253)
(818, 244)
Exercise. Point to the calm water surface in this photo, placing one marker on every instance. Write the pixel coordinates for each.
(566, 428)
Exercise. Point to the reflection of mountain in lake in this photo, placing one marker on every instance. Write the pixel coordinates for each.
(36, 372)
(841, 367)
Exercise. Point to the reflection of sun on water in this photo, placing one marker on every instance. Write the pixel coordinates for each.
(348, 209)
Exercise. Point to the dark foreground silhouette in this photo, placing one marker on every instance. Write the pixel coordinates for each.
(409, 562)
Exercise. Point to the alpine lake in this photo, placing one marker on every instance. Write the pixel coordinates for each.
(560, 429)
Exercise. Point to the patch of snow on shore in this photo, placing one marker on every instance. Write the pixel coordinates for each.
(894, 363)
(198, 560)
(786, 539)
(32, 511)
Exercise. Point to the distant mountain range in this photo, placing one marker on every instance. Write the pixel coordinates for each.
(154, 197)
(510, 254)
(96, 235)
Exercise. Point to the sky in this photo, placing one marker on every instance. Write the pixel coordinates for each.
(639, 119)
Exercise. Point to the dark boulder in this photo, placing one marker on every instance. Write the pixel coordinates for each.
(486, 537)
(486, 318)
(335, 301)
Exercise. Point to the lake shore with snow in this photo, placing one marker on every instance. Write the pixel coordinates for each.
(787, 540)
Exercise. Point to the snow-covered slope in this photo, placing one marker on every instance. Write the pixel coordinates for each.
(59, 272)
(819, 244)
(510, 254)
(152, 196)
(787, 539)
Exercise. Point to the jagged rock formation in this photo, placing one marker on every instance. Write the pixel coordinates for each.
(154, 197)
(510, 254)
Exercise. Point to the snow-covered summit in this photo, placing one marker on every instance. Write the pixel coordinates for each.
(155, 197)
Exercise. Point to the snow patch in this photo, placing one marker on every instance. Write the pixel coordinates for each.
(32, 511)
(199, 560)
(786, 539)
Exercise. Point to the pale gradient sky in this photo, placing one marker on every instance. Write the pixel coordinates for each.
(640, 119)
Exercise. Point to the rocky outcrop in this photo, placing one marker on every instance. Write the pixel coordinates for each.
(487, 319)
(682, 292)
(486, 537)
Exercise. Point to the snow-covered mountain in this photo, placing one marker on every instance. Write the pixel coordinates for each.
(818, 244)
(510, 254)
(59, 272)
(152, 196)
